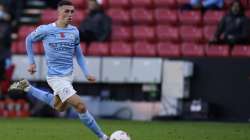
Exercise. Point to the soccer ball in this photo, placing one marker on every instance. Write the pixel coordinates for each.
(119, 135)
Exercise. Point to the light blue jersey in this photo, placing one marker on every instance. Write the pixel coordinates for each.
(60, 45)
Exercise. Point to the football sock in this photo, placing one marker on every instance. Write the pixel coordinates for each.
(43, 96)
(89, 121)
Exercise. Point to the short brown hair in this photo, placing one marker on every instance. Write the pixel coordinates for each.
(64, 2)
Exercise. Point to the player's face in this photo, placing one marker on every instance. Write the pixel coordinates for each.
(66, 13)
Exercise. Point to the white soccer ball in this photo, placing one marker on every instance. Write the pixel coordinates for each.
(120, 135)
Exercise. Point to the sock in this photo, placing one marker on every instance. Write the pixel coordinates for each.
(43, 96)
(89, 121)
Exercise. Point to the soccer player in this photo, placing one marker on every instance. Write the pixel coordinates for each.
(61, 41)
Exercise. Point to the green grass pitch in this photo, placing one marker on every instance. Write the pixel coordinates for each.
(62, 129)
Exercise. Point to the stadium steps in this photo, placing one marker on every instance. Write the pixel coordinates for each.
(31, 13)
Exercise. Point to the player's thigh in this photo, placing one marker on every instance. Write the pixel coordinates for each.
(74, 100)
(59, 105)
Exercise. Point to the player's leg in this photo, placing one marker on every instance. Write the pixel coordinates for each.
(59, 105)
(41, 95)
(85, 117)
(25, 86)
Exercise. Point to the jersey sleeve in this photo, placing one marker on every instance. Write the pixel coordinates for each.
(77, 41)
(80, 57)
(34, 36)
(38, 34)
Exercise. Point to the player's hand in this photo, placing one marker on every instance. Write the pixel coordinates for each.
(32, 69)
(91, 78)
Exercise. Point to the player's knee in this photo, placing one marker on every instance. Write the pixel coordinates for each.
(81, 108)
(60, 109)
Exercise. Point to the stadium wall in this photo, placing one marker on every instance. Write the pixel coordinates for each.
(225, 84)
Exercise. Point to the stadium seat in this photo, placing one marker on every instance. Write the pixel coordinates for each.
(144, 33)
(212, 17)
(141, 3)
(24, 31)
(123, 33)
(142, 16)
(182, 2)
(21, 47)
(119, 16)
(190, 17)
(248, 13)
(119, 3)
(98, 49)
(78, 17)
(217, 51)
(120, 49)
(48, 16)
(190, 49)
(79, 4)
(166, 49)
(84, 48)
(37, 47)
(167, 33)
(165, 3)
(14, 47)
(241, 51)
(208, 32)
(191, 34)
(227, 3)
(5, 84)
(165, 16)
(143, 48)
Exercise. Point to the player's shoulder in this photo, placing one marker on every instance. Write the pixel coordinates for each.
(44, 27)
(73, 27)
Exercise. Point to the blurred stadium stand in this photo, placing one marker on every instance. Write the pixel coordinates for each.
(150, 30)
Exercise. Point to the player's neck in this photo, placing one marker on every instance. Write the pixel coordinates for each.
(61, 24)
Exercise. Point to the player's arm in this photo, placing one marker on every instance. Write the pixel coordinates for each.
(34, 36)
(81, 62)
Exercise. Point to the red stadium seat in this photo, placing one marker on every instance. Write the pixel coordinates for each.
(182, 2)
(227, 3)
(165, 16)
(79, 4)
(84, 48)
(143, 48)
(190, 49)
(190, 17)
(191, 34)
(241, 51)
(212, 17)
(208, 32)
(165, 3)
(98, 49)
(37, 47)
(120, 49)
(142, 16)
(141, 3)
(119, 3)
(119, 15)
(14, 47)
(144, 33)
(123, 33)
(166, 49)
(24, 31)
(5, 84)
(217, 51)
(167, 33)
(78, 17)
(48, 16)
(248, 13)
